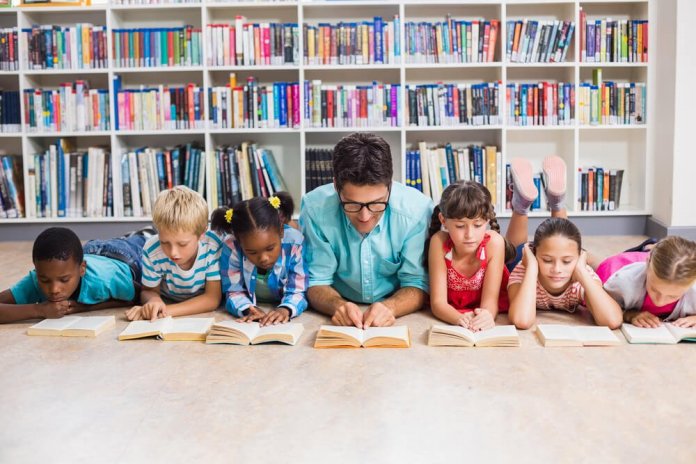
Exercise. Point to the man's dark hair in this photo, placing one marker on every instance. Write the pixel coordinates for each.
(362, 158)
(57, 243)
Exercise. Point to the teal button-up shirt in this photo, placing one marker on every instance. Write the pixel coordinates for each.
(366, 268)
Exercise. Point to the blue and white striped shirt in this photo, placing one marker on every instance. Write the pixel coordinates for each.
(176, 283)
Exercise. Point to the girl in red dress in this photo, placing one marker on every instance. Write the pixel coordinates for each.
(466, 258)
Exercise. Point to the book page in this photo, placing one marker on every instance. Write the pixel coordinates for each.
(590, 335)
(399, 332)
(457, 330)
(93, 323)
(280, 331)
(189, 325)
(142, 328)
(499, 331)
(556, 332)
(249, 329)
(681, 333)
(659, 334)
(56, 324)
(352, 332)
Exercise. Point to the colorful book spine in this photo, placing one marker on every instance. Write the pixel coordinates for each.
(254, 105)
(10, 113)
(318, 169)
(159, 108)
(604, 40)
(538, 41)
(11, 187)
(262, 44)
(73, 107)
(612, 103)
(599, 188)
(358, 43)
(452, 104)
(82, 46)
(347, 105)
(451, 41)
(540, 104)
(9, 49)
(157, 47)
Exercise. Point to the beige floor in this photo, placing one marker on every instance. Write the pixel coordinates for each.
(100, 400)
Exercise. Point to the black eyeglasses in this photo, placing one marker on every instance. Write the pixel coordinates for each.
(372, 206)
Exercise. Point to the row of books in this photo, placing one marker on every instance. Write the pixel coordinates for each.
(612, 103)
(541, 104)
(150, 47)
(599, 189)
(318, 167)
(66, 182)
(620, 41)
(366, 42)
(243, 172)
(9, 49)
(155, 2)
(253, 44)
(82, 46)
(73, 107)
(10, 112)
(544, 41)
(159, 108)
(275, 105)
(146, 171)
(432, 169)
(351, 105)
(453, 104)
(11, 187)
(451, 41)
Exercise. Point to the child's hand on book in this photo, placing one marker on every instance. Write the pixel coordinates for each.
(689, 321)
(255, 314)
(348, 314)
(277, 316)
(465, 320)
(482, 320)
(154, 309)
(646, 319)
(378, 315)
(55, 309)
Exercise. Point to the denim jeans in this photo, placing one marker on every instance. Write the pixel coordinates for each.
(128, 249)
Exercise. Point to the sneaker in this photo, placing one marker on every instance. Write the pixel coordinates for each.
(522, 182)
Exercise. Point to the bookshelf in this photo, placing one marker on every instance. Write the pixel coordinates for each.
(581, 146)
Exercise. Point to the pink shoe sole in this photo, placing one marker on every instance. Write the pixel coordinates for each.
(521, 170)
(555, 172)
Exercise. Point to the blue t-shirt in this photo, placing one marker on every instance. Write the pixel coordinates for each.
(105, 279)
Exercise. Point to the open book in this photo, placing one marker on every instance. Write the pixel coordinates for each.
(330, 336)
(184, 329)
(251, 333)
(571, 335)
(73, 326)
(666, 333)
(455, 335)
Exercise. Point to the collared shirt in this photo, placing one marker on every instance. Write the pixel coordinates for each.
(105, 279)
(176, 283)
(366, 268)
(287, 281)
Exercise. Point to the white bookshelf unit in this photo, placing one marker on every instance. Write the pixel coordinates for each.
(613, 147)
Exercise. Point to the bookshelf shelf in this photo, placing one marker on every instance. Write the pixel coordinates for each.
(581, 146)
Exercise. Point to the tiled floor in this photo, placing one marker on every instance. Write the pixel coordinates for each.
(100, 400)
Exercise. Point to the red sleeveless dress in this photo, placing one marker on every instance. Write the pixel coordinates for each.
(464, 293)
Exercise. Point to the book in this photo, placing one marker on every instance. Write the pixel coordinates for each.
(251, 333)
(454, 335)
(330, 336)
(668, 334)
(73, 326)
(567, 335)
(184, 329)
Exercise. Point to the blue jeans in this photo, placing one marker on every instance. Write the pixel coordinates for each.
(518, 257)
(126, 249)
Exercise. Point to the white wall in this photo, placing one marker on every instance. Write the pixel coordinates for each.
(674, 118)
(684, 164)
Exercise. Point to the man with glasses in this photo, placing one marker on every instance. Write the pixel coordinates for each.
(364, 238)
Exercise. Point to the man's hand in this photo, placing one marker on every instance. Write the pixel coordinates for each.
(348, 314)
(277, 316)
(378, 315)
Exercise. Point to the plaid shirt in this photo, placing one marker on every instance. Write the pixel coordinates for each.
(287, 280)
